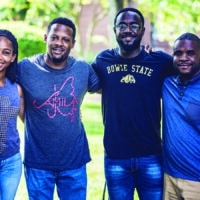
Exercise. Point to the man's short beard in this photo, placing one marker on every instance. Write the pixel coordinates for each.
(56, 60)
(131, 47)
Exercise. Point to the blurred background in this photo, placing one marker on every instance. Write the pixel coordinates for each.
(165, 20)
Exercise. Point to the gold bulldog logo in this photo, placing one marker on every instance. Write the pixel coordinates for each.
(128, 79)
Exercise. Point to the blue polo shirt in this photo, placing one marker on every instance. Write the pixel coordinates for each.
(181, 128)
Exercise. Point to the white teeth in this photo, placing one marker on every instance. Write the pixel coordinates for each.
(57, 51)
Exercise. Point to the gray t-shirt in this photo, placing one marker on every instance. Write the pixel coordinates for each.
(55, 138)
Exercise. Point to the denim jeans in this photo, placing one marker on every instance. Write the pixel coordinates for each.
(145, 174)
(70, 184)
(10, 174)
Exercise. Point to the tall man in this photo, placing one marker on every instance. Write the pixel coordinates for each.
(181, 122)
(56, 147)
(131, 82)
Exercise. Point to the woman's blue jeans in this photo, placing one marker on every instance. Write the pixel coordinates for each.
(144, 174)
(10, 174)
(70, 184)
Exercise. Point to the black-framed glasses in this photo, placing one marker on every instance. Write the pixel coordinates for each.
(124, 26)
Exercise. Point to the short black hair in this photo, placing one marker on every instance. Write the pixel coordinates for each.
(132, 10)
(63, 21)
(11, 70)
(188, 36)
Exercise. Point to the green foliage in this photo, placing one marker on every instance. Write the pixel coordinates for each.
(30, 38)
(39, 13)
(171, 18)
(28, 47)
(13, 9)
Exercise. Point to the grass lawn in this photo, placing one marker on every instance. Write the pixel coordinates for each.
(91, 115)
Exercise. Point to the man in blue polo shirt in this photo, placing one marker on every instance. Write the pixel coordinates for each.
(181, 122)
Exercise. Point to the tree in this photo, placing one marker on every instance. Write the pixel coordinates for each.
(38, 13)
(170, 18)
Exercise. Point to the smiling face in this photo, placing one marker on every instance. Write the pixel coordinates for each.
(129, 31)
(6, 53)
(59, 44)
(186, 58)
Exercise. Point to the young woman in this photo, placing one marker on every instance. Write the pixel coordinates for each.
(11, 105)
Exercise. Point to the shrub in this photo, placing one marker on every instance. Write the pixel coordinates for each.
(30, 38)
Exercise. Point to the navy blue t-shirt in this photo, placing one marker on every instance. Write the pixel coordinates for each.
(131, 93)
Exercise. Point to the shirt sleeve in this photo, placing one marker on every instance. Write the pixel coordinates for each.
(94, 83)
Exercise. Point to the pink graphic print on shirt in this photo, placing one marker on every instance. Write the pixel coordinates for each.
(57, 101)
